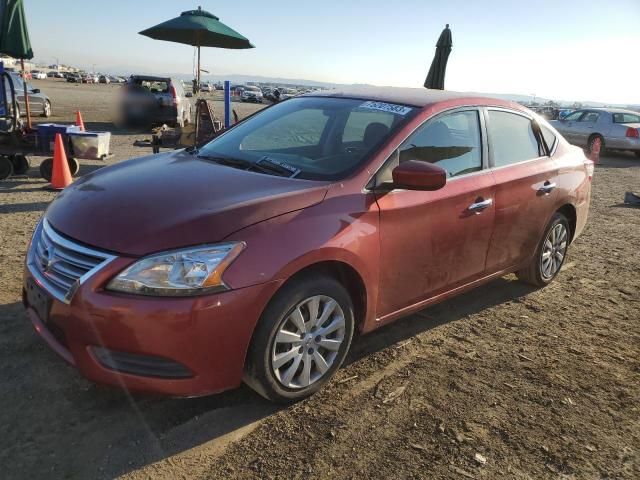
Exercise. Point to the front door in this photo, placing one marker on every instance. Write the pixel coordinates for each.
(431, 242)
(569, 126)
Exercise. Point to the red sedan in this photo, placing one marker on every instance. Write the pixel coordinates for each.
(256, 256)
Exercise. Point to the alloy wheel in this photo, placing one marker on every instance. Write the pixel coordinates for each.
(307, 342)
(553, 251)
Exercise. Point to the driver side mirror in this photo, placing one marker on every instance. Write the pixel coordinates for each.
(35, 90)
(416, 175)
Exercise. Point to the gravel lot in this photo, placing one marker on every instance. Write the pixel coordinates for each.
(502, 382)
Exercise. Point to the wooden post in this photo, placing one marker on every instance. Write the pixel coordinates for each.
(26, 94)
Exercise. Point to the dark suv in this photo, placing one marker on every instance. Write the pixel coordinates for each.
(154, 100)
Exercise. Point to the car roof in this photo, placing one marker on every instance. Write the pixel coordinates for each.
(611, 110)
(150, 77)
(415, 97)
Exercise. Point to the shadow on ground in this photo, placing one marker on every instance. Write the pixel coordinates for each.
(111, 432)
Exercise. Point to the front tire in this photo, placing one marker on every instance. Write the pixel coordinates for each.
(301, 340)
(550, 254)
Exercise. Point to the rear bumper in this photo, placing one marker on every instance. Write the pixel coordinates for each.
(626, 143)
(177, 346)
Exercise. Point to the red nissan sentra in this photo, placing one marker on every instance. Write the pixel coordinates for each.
(256, 256)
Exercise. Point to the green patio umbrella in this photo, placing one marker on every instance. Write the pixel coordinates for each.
(435, 77)
(14, 38)
(200, 29)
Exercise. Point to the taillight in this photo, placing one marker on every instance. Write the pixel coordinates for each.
(590, 167)
(633, 133)
(174, 94)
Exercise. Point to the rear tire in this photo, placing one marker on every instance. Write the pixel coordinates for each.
(314, 345)
(46, 168)
(550, 254)
(592, 140)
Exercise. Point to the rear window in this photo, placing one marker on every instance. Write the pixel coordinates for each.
(626, 118)
(153, 86)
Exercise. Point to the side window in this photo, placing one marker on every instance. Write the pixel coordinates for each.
(451, 141)
(626, 118)
(511, 138)
(590, 117)
(549, 137)
(574, 117)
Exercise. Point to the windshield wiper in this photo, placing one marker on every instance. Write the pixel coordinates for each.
(244, 165)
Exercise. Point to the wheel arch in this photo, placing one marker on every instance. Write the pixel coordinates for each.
(346, 274)
(569, 211)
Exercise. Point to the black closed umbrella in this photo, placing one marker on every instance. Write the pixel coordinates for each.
(435, 77)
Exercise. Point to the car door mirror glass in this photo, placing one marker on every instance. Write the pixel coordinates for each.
(417, 175)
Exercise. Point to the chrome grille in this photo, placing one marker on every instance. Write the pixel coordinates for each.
(61, 265)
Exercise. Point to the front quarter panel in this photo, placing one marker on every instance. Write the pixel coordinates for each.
(344, 228)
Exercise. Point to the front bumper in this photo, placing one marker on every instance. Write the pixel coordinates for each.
(208, 336)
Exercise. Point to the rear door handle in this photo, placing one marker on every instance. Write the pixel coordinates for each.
(481, 205)
(547, 187)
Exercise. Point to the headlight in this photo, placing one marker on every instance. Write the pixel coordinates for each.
(189, 271)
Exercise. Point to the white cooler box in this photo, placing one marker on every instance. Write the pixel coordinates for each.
(90, 145)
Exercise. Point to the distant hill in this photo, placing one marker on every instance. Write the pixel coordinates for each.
(244, 78)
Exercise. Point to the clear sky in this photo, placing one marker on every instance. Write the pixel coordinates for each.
(562, 49)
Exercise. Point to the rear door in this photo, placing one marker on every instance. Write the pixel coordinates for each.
(526, 177)
(431, 242)
(585, 126)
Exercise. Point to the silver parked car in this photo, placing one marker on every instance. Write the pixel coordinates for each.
(616, 128)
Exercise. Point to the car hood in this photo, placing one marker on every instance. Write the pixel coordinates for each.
(172, 200)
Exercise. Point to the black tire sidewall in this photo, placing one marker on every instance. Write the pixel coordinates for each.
(592, 139)
(259, 374)
(74, 166)
(20, 164)
(6, 167)
(555, 220)
(46, 169)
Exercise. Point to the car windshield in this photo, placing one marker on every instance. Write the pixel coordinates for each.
(312, 138)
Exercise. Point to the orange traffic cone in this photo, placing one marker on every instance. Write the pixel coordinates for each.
(79, 121)
(60, 175)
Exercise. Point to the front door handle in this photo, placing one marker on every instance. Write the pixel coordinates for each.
(481, 205)
(547, 187)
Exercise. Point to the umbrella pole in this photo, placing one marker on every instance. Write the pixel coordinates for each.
(26, 95)
(198, 72)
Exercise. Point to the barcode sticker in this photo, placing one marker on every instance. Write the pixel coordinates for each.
(386, 107)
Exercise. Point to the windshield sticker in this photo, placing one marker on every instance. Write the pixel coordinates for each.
(386, 107)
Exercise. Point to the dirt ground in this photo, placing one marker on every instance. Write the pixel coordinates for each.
(502, 382)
